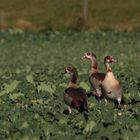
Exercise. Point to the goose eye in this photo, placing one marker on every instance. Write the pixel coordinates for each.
(68, 68)
(88, 53)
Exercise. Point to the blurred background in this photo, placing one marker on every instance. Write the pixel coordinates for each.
(120, 15)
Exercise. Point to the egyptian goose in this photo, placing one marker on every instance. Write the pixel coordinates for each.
(112, 88)
(74, 96)
(95, 77)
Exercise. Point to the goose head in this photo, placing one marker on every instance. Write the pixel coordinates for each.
(70, 70)
(109, 59)
(88, 55)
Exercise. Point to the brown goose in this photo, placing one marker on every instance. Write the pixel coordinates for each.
(112, 88)
(95, 77)
(74, 96)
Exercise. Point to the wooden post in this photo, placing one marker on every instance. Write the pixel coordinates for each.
(85, 8)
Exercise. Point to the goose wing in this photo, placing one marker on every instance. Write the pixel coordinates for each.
(76, 98)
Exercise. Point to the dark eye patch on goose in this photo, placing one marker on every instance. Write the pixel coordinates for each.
(107, 58)
(68, 68)
(88, 53)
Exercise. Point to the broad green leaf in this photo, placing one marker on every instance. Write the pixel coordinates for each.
(42, 87)
(45, 87)
(15, 95)
(89, 127)
(63, 85)
(85, 86)
(36, 116)
(18, 71)
(28, 68)
(2, 93)
(12, 86)
(80, 124)
(63, 121)
(30, 78)
(51, 88)
(92, 104)
(24, 125)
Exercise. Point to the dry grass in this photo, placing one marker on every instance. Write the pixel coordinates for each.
(102, 14)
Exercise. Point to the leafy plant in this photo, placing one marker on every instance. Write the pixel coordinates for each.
(32, 84)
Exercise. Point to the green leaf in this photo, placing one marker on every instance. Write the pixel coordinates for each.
(2, 93)
(63, 85)
(89, 127)
(12, 86)
(30, 78)
(15, 95)
(24, 125)
(28, 68)
(85, 86)
(63, 121)
(51, 88)
(44, 87)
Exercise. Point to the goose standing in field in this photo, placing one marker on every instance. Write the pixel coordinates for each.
(95, 77)
(112, 88)
(74, 96)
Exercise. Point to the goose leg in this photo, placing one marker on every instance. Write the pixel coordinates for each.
(119, 102)
(69, 109)
(98, 94)
(98, 90)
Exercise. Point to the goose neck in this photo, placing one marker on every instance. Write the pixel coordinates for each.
(94, 66)
(108, 68)
(73, 81)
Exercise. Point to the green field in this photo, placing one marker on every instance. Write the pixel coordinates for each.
(32, 85)
(60, 14)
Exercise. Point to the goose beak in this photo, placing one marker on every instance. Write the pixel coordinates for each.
(114, 60)
(83, 57)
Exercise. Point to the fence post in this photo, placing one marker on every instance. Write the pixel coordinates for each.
(85, 10)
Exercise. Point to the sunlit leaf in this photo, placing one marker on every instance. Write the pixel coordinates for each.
(89, 126)
(85, 86)
(42, 87)
(30, 79)
(14, 96)
(63, 121)
(63, 85)
(24, 125)
(12, 86)
(46, 87)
